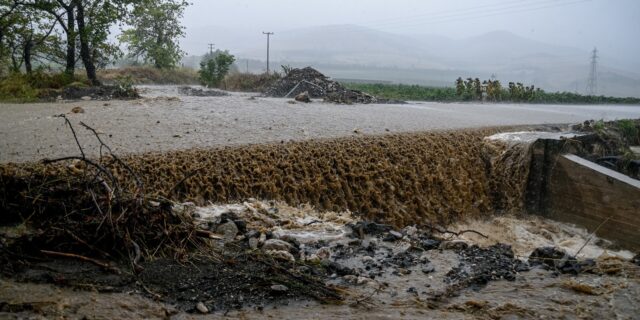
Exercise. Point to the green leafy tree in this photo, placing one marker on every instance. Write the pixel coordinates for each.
(155, 32)
(214, 67)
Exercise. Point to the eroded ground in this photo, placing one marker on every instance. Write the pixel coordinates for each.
(415, 272)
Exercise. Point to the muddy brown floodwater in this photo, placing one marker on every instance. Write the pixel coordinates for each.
(167, 120)
(392, 280)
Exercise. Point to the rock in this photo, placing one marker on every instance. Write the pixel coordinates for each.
(279, 288)
(253, 243)
(242, 226)
(202, 308)
(428, 268)
(362, 228)
(410, 231)
(303, 97)
(393, 236)
(262, 238)
(555, 259)
(229, 230)
(86, 98)
(77, 110)
(281, 255)
(636, 259)
(323, 254)
(429, 244)
(277, 245)
(454, 245)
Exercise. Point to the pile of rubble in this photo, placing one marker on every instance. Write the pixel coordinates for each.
(308, 83)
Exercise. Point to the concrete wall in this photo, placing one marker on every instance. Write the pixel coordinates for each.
(586, 194)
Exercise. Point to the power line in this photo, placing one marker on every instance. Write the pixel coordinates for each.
(592, 82)
(268, 34)
(463, 12)
(480, 14)
(211, 47)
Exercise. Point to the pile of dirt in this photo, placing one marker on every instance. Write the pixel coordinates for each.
(198, 92)
(317, 85)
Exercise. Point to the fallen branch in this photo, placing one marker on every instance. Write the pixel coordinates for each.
(83, 258)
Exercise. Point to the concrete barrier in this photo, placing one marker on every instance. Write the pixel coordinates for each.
(586, 194)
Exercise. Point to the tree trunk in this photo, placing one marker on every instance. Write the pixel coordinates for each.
(70, 67)
(26, 55)
(85, 52)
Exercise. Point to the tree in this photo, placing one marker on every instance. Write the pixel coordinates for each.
(214, 67)
(155, 32)
(23, 35)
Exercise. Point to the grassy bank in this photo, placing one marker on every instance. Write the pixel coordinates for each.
(451, 94)
(150, 75)
(37, 86)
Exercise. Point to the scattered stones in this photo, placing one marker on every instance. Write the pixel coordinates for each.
(77, 110)
(303, 97)
(478, 266)
(86, 98)
(555, 259)
(202, 308)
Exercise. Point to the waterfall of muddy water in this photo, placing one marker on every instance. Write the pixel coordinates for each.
(399, 179)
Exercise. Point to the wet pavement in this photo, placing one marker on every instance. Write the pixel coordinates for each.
(166, 120)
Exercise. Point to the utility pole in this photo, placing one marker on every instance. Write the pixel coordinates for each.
(211, 48)
(269, 34)
(592, 82)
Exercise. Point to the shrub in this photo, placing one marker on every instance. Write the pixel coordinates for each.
(214, 68)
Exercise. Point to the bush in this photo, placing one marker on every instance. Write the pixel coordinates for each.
(214, 67)
(629, 131)
(17, 88)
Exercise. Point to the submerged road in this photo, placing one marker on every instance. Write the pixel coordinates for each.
(29, 132)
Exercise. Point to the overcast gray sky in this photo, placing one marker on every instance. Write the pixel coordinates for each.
(612, 25)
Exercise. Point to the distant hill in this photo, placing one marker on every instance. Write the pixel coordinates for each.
(356, 52)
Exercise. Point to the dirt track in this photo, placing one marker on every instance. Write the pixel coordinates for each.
(29, 131)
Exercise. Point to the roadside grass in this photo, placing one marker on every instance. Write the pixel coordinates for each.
(249, 82)
(449, 94)
(23, 88)
(149, 75)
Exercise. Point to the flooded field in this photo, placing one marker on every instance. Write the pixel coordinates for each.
(167, 120)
